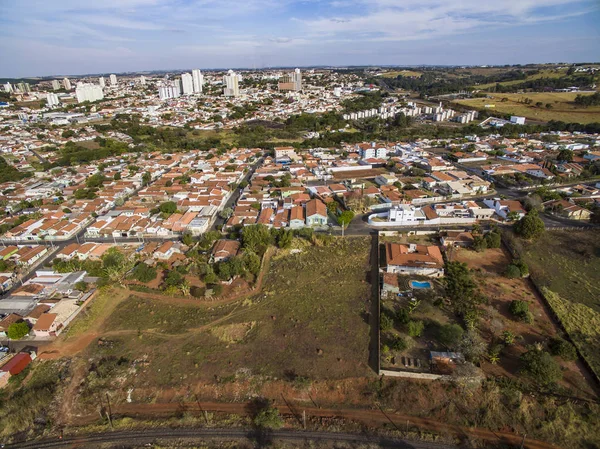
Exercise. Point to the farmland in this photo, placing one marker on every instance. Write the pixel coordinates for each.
(562, 106)
(566, 265)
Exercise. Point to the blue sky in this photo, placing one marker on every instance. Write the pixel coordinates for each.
(54, 37)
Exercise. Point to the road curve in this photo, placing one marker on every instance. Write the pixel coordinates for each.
(150, 436)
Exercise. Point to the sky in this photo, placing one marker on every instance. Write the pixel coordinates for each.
(70, 37)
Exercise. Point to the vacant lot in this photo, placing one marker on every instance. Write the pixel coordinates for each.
(567, 264)
(408, 73)
(542, 74)
(562, 106)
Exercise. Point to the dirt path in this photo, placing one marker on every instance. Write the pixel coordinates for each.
(376, 418)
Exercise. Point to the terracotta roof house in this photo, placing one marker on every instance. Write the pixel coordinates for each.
(225, 249)
(409, 259)
(316, 213)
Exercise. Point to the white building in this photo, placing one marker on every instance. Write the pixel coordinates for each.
(187, 84)
(102, 81)
(52, 100)
(198, 80)
(143, 80)
(8, 88)
(169, 89)
(67, 84)
(88, 92)
(231, 82)
(113, 80)
(517, 120)
(55, 84)
(297, 80)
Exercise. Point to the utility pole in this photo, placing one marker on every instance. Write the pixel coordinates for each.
(523, 441)
(304, 419)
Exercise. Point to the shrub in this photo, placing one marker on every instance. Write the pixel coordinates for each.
(197, 292)
(143, 272)
(267, 417)
(399, 344)
(403, 316)
(415, 328)
(512, 272)
(563, 349)
(541, 367)
(217, 289)
(520, 309)
(530, 226)
(493, 239)
(385, 322)
(522, 266)
(508, 337)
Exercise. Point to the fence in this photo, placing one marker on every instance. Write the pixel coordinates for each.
(411, 375)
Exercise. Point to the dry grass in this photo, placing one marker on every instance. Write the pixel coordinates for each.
(407, 73)
(563, 108)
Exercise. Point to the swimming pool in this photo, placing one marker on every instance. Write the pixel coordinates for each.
(417, 284)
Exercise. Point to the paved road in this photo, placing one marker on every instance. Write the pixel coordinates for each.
(152, 436)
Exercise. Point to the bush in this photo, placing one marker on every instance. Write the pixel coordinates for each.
(385, 322)
(512, 272)
(403, 316)
(530, 226)
(450, 335)
(399, 344)
(267, 417)
(563, 349)
(541, 367)
(197, 292)
(520, 309)
(522, 266)
(415, 328)
(493, 239)
(217, 289)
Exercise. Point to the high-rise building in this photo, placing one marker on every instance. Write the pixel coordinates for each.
(187, 84)
(8, 87)
(230, 81)
(102, 81)
(297, 78)
(55, 84)
(143, 80)
(67, 83)
(169, 89)
(52, 100)
(88, 92)
(198, 79)
(23, 87)
(291, 82)
(113, 80)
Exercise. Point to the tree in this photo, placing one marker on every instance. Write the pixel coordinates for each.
(398, 344)
(540, 366)
(251, 262)
(95, 181)
(187, 239)
(16, 331)
(479, 243)
(143, 272)
(493, 239)
(385, 322)
(450, 335)
(168, 207)
(460, 286)
(284, 240)
(530, 226)
(472, 346)
(415, 328)
(146, 178)
(345, 218)
(565, 155)
(81, 286)
(117, 176)
(226, 213)
(256, 238)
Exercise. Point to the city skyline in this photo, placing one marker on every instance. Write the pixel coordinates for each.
(151, 35)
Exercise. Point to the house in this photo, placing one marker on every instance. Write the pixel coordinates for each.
(568, 209)
(166, 251)
(297, 217)
(13, 367)
(385, 179)
(457, 238)
(46, 325)
(409, 259)
(504, 207)
(316, 213)
(224, 249)
(390, 283)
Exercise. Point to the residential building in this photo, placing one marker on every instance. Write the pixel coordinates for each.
(67, 84)
(224, 250)
(52, 100)
(316, 213)
(198, 80)
(102, 81)
(88, 92)
(113, 80)
(187, 84)
(55, 84)
(168, 90)
(414, 259)
(231, 82)
(143, 80)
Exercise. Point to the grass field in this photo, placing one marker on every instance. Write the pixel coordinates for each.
(567, 264)
(309, 321)
(563, 108)
(410, 73)
(542, 74)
